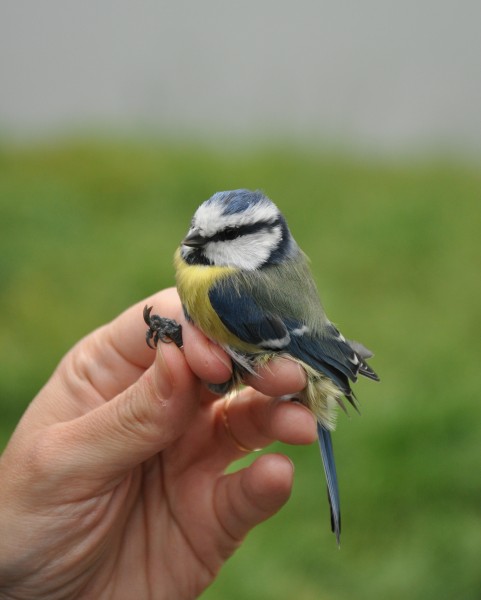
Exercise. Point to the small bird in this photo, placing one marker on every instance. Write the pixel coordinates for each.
(245, 283)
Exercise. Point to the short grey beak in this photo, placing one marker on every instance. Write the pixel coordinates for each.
(194, 240)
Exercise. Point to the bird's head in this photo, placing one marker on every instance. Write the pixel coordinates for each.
(240, 229)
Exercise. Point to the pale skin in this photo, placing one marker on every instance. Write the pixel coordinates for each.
(113, 485)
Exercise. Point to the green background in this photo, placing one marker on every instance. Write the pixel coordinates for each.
(87, 228)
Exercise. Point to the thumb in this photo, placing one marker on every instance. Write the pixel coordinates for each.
(132, 427)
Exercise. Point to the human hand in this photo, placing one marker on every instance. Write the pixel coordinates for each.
(113, 484)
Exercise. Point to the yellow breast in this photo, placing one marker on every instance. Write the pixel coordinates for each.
(193, 285)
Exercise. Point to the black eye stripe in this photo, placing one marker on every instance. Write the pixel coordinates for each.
(231, 233)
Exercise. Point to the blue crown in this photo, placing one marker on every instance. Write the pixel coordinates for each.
(237, 201)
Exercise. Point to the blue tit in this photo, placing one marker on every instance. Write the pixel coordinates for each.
(246, 284)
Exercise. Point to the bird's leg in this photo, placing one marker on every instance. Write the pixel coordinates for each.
(161, 328)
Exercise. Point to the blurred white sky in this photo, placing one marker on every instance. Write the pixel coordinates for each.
(379, 74)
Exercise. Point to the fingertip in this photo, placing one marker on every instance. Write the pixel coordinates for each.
(293, 423)
(252, 495)
(208, 361)
(269, 481)
(280, 376)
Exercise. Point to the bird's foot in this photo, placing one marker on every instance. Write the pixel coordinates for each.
(161, 329)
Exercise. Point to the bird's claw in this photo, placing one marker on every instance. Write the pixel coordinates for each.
(161, 329)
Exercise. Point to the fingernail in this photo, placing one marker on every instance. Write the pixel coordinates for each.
(163, 376)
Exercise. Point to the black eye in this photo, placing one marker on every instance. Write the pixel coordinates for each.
(230, 233)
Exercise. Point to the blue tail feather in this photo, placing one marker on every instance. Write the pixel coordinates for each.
(327, 455)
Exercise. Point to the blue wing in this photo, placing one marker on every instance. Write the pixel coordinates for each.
(327, 352)
(243, 317)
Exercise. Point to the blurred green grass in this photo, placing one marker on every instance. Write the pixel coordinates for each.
(87, 228)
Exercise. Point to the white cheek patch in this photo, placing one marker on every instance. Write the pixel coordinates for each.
(247, 252)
